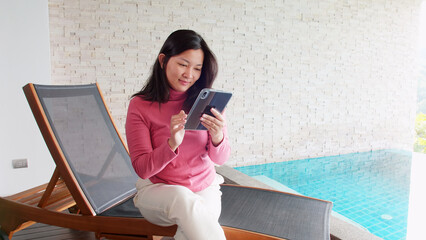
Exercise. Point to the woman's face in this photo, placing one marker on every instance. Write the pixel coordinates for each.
(184, 69)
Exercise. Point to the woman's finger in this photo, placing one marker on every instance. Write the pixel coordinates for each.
(211, 121)
(179, 118)
(217, 114)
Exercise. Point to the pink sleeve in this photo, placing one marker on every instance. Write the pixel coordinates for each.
(145, 160)
(220, 154)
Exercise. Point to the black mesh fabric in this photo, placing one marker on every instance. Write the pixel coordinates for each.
(90, 143)
(282, 215)
(125, 209)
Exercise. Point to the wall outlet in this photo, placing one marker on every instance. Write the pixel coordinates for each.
(20, 163)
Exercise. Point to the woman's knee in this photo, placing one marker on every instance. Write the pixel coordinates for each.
(183, 198)
(186, 205)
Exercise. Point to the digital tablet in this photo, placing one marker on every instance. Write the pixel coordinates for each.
(206, 100)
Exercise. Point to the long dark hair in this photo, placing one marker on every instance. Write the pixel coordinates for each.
(157, 87)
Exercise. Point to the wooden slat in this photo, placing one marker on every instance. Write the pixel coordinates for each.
(59, 200)
(27, 193)
(62, 204)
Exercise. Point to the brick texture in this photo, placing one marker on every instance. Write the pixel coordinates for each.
(310, 78)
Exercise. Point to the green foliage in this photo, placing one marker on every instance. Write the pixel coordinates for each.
(420, 127)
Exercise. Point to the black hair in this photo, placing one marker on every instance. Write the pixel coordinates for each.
(157, 87)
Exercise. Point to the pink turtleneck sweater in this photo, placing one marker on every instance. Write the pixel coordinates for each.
(147, 132)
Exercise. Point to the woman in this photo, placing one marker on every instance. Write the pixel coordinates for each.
(178, 183)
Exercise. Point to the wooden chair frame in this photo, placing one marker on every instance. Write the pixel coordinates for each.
(48, 203)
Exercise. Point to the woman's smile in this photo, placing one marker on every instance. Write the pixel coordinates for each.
(184, 83)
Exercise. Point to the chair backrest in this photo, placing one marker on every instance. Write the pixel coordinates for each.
(88, 151)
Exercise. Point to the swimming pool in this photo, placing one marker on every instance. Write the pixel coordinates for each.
(370, 188)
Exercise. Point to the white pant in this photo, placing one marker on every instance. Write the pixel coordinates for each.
(196, 214)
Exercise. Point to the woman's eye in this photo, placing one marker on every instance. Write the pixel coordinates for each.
(198, 69)
(183, 65)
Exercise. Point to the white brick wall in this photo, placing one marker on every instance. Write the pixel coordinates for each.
(310, 78)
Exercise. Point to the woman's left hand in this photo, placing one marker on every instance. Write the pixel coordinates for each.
(214, 125)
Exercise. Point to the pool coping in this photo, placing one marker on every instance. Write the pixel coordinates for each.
(339, 228)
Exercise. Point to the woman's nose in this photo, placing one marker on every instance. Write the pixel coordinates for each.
(188, 73)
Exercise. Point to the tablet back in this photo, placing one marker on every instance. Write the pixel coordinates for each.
(207, 99)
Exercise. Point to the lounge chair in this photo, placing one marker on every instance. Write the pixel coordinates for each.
(94, 174)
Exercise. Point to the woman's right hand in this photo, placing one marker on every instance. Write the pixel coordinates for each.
(177, 130)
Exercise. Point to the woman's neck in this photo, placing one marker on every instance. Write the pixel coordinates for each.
(176, 96)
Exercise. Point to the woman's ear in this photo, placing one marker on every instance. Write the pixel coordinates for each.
(161, 57)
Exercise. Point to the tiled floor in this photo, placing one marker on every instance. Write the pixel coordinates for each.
(46, 232)
(41, 231)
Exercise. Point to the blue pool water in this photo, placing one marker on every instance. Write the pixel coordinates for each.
(370, 188)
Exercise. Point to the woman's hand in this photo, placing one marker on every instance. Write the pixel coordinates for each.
(214, 125)
(177, 130)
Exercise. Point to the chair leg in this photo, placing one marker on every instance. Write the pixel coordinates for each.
(12, 225)
(3, 235)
